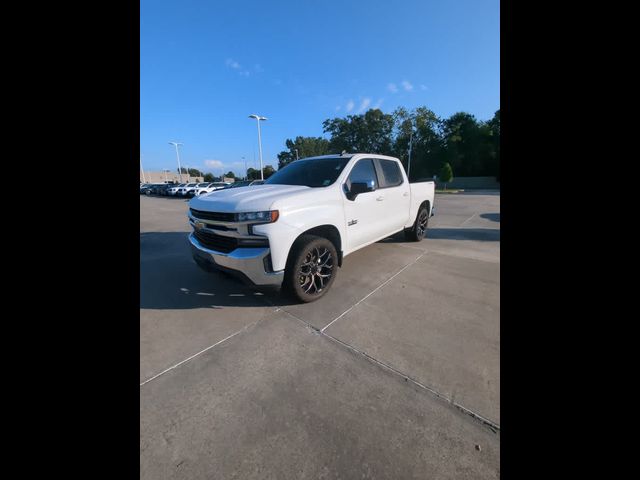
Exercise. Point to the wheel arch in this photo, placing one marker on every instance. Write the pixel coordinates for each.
(328, 231)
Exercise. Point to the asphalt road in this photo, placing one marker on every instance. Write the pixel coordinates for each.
(395, 373)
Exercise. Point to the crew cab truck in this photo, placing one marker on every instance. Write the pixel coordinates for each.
(294, 230)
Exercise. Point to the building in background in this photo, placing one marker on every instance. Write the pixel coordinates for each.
(159, 177)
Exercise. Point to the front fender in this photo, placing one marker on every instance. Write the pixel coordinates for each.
(283, 233)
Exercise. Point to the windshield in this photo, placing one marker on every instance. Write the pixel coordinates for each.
(320, 172)
(202, 185)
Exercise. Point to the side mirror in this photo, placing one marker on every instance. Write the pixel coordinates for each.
(357, 188)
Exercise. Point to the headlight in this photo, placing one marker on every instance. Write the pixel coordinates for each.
(259, 217)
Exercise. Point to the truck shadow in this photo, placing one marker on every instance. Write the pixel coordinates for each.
(481, 192)
(171, 280)
(476, 234)
(494, 217)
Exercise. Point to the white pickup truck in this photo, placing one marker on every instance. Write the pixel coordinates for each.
(295, 229)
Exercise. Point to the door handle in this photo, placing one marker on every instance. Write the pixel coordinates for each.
(405, 194)
(380, 199)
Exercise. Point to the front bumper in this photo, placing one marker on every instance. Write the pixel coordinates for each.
(248, 263)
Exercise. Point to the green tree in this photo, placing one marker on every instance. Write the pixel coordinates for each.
(208, 177)
(423, 129)
(268, 171)
(305, 146)
(446, 174)
(469, 146)
(193, 172)
(230, 174)
(370, 132)
(253, 174)
(465, 141)
(494, 134)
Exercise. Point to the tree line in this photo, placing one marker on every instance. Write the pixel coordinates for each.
(207, 177)
(470, 147)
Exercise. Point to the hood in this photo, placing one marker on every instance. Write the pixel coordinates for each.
(253, 198)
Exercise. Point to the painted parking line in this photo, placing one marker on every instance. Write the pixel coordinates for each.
(199, 353)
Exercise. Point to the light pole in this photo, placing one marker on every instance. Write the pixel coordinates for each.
(258, 118)
(144, 179)
(410, 145)
(176, 144)
(245, 168)
(296, 154)
(165, 174)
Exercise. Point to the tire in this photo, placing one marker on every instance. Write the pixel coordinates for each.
(303, 280)
(419, 229)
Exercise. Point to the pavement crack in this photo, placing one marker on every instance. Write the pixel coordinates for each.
(492, 426)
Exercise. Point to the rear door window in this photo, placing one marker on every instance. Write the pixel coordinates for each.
(391, 175)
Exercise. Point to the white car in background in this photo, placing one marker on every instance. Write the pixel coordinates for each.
(182, 191)
(174, 190)
(210, 187)
(192, 191)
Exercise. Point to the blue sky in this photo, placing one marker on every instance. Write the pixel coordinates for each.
(206, 65)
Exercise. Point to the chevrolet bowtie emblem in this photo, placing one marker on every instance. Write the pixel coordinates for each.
(199, 225)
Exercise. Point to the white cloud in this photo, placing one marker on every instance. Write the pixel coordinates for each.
(407, 86)
(423, 87)
(232, 64)
(213, 163)
(392, 88)
(378, 103)
(364, 105)
(349, 106)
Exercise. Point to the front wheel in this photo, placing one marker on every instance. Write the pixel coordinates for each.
(419, 229)
(311, 268)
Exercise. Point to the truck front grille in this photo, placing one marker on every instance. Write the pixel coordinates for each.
(214, 216)
(219, 243)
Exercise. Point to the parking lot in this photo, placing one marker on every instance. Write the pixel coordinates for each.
(394, 374)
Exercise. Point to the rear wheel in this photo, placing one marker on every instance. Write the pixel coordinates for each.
(419, 229)
(311, 268)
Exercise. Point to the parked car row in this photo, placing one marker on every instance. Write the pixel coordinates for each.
(189, 190)
(154, 188)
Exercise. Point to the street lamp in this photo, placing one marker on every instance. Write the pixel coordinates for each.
(144, 180)
(296, 153)
(245, 168)
(176, 144)
(258, 118)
